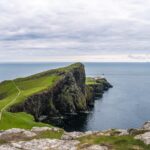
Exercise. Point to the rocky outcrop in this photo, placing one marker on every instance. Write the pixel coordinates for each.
(144, 137)
(96, 89)
(15, 139)
(41, 144)
(44, 138)
(146, 125)
(69, 94)
(144, 133)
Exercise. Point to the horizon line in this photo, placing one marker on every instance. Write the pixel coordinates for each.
(2, 62)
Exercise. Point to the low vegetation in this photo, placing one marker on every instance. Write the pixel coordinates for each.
(91, 81)
(45, 134)
(114, 142)
(18, 120)
(50, 134)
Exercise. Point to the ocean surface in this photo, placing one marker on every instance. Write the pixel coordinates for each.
(126, 105)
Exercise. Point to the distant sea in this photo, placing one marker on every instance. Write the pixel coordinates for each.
(126, 105)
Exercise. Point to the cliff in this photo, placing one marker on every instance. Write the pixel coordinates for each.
(70, 93)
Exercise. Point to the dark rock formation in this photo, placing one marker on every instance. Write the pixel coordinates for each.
(69, 95)
(96, 90)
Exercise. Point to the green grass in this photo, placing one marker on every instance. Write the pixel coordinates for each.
(115, 142)
(93, 81)
(19, 120)
(7, 93)
(32, 86)
(50, 134)
(27, 87)
(90, 81)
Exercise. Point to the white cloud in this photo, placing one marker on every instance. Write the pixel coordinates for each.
(65, 29)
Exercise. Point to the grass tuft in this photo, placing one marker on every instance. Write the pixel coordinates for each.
(115, 142)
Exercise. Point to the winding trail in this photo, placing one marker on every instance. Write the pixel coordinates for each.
(13, 100)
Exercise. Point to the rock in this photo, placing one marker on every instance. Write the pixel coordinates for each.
(15, 133)
(89, 132)
(74, 135)
(122, 132)
(42, 129)
(42, 118)
(12, 131)
(100, 133)
(111, 132)
(144, 137)
(71, 135)
(146, 125)
(135, 132)
(7, 147)
(45, 144)
(29, 134)
(95, 147)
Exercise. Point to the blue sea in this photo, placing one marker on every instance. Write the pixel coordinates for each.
(126, 105)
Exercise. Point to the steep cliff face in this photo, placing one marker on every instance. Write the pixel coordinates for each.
(69, 94)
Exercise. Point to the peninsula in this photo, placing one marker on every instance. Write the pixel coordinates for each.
(24, 102)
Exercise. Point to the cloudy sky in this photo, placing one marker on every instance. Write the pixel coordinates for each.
(74, 30)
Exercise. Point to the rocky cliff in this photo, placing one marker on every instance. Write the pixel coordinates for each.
(70, 94)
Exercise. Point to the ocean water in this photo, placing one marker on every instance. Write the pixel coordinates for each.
(126, 105)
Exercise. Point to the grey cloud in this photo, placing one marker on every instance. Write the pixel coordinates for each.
(67, 28)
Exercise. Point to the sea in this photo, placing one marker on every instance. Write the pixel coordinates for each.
(126, 105)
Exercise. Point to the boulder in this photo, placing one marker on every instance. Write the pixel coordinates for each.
(122, 132)
(16, 134)
(74, 135)
(144, 137)
(95, 147)
(7, 147)
(42, 129)
(146, 125)
(45, 144)
(71, 135)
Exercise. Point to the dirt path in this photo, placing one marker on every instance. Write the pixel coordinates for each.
(13, 100)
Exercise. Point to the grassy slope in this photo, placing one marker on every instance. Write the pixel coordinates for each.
(27, 86)
(31, 86)
(18, 120)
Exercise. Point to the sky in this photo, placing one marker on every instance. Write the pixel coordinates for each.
(74, 30)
